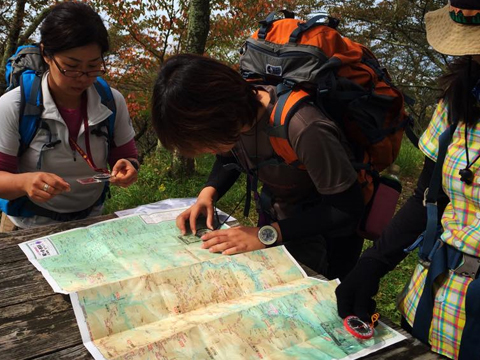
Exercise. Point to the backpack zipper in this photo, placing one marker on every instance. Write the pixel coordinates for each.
(298, 52)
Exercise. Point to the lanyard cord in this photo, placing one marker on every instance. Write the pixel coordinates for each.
(249, 172)
(466, 175)
(73, 144)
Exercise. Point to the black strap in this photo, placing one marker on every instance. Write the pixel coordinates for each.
(431, 194)
(410, 133)
(271, 18)
(278, 129)
(436, 180)
(438, 258)
(248, 196)
(318, 20)
(76, 215)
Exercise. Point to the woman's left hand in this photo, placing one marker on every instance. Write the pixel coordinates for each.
(231, 241)
(123, 173)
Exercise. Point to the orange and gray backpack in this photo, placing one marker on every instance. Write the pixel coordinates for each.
(311, 61)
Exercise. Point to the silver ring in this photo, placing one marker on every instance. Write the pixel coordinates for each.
(45, 187)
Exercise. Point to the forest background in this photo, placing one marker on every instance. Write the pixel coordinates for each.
(143, 34)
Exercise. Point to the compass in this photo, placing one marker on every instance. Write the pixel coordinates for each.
(102, 176)
(358, 328)
(201, 232)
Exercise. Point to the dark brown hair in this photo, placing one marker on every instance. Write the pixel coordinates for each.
(70, 25)
(457, 87)
(200, 103)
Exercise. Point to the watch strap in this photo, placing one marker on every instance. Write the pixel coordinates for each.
(135, 163)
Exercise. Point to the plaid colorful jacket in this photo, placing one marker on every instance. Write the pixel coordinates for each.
(461, 223)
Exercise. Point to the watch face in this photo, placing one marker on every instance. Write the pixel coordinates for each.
(267, 235)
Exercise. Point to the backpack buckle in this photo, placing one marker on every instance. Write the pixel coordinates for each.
(289, 83)
(322, 92)
(425, 195)
(469, 267)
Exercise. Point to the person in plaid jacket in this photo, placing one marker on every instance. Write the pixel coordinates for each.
(453, 317)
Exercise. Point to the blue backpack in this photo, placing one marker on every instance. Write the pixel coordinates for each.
(25, 69)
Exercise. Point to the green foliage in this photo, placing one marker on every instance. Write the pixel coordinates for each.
(155, 183)
(391, 287)
(410, 159)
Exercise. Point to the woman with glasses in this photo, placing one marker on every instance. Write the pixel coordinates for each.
(72, 142)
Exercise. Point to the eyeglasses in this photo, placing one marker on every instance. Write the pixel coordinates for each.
(78, 73)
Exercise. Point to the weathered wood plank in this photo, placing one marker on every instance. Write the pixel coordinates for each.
(45, 306)
(38, 327)
(19, 236)
(21, 282)
(37, 324)
(78, 352)
(11, 254)
(408, 349)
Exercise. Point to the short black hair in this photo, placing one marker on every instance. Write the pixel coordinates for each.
(199, 102)
(70, 25)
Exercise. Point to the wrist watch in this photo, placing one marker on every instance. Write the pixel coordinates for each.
(268, 235)
(135, 163)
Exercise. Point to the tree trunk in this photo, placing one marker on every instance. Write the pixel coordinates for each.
(198, 28)
(33, 26)
(13, 34)
(14, 38)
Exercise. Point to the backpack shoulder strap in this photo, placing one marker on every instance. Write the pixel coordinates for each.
(31, 107)
(107, 99)
(288, 103)
(431, 194)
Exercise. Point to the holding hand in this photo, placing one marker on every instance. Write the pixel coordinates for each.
(231, 241)
(355, 293)
(42, 186)
(203, 206)
(124, 173)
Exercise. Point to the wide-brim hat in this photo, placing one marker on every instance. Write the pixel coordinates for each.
(455, 28)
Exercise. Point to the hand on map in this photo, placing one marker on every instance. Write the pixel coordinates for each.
(203, 206)
(42, 186)
(231, 241)
(355, 293)
(123, 173)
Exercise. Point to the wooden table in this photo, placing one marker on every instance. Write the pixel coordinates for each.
(36, 323)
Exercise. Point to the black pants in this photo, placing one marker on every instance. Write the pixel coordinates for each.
(332, 257)
(332, 254)
(405, 325)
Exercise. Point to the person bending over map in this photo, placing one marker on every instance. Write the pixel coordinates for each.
(200, 105)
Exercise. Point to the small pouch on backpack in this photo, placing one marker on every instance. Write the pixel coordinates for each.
(381, 208)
